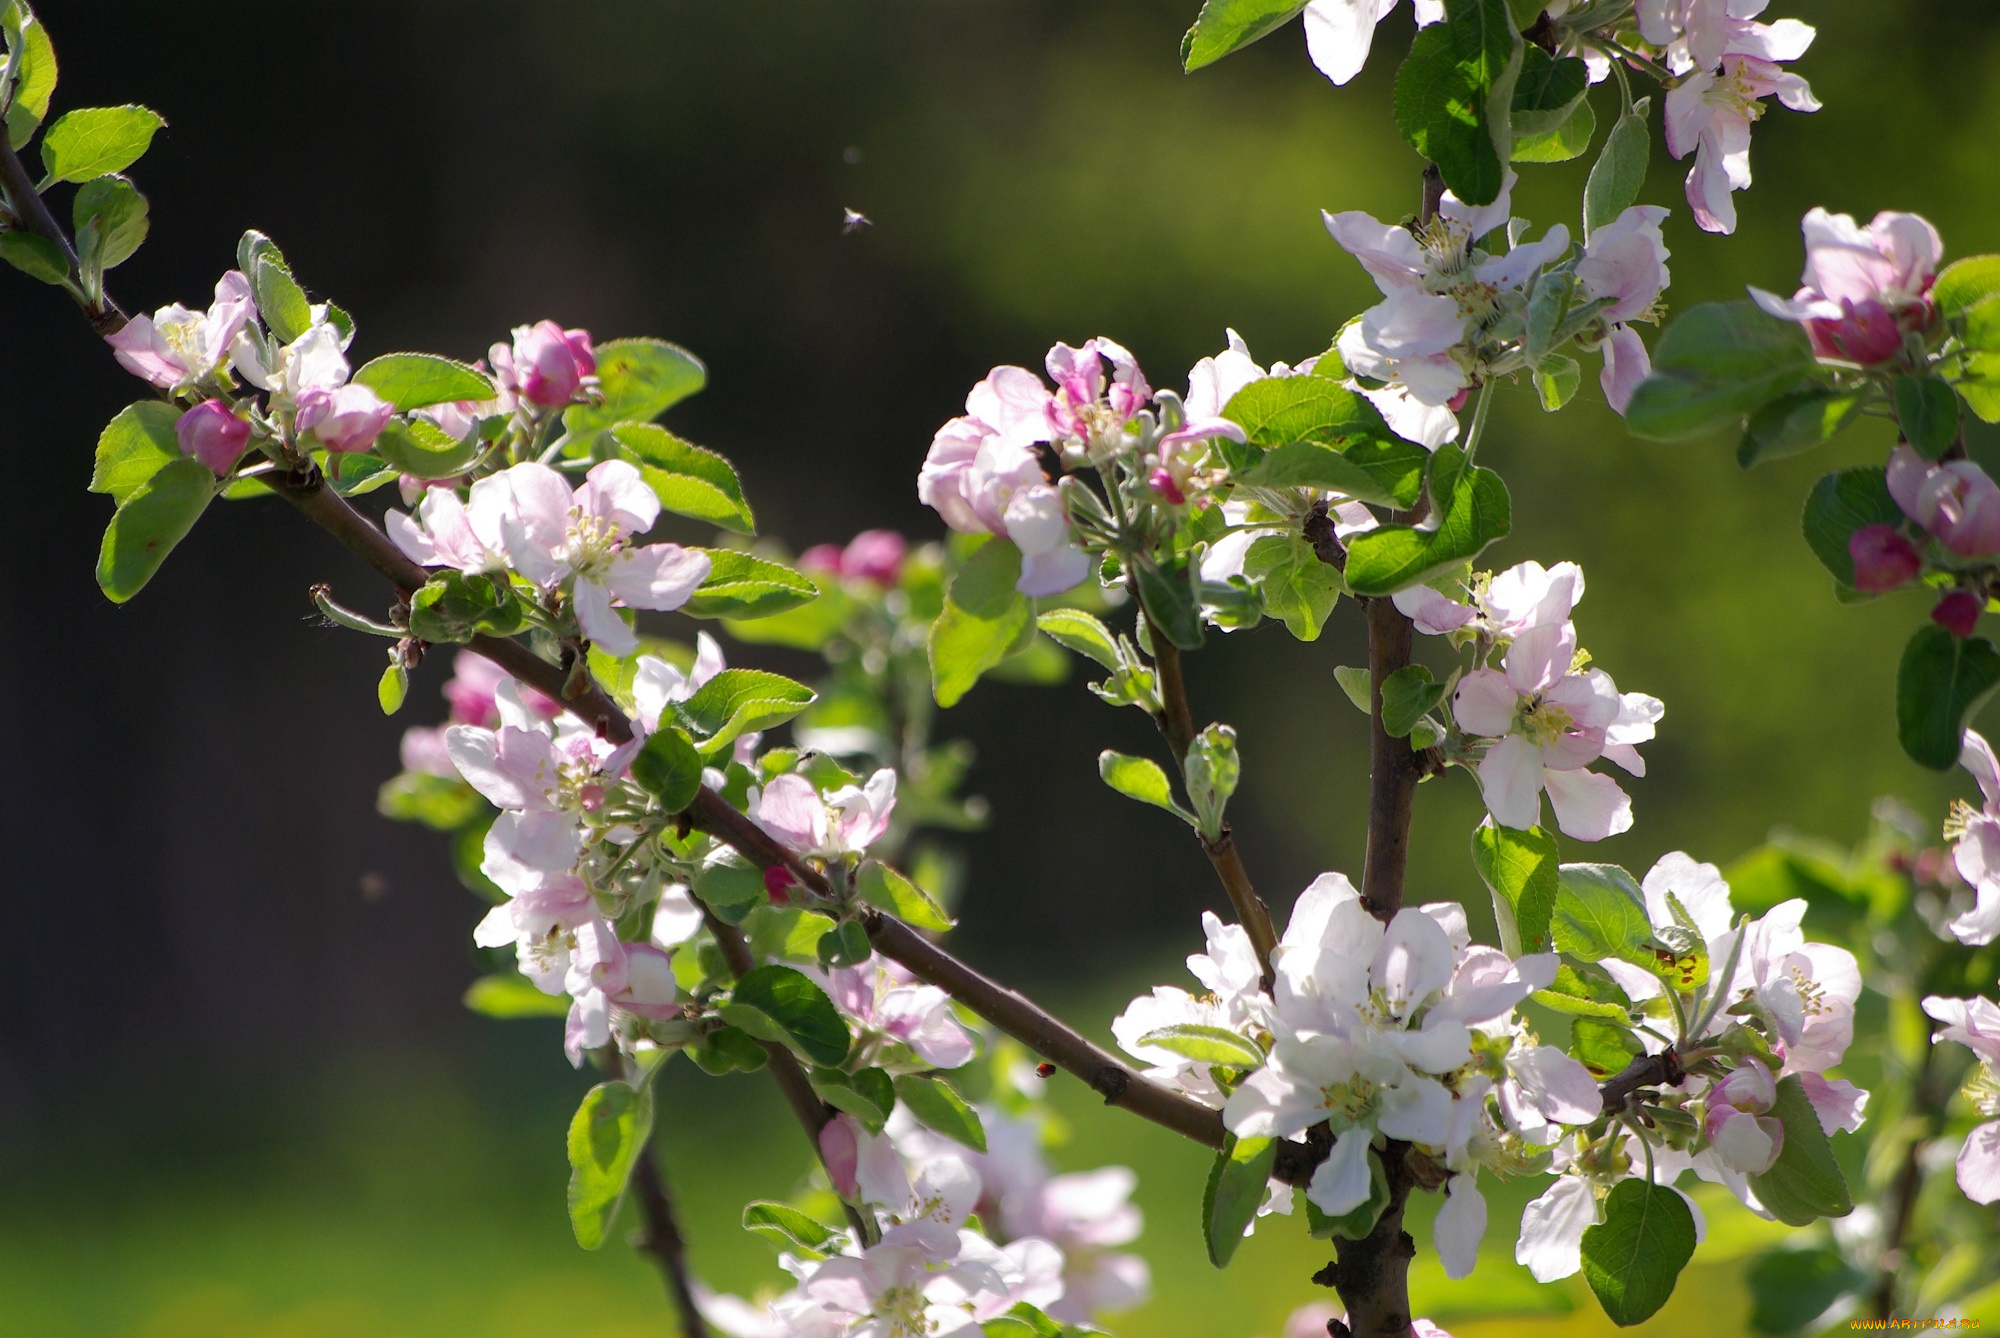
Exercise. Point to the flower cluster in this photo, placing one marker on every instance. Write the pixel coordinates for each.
(1866, 292)
(1975, 1024)
(1546, 714)
(1455, 314)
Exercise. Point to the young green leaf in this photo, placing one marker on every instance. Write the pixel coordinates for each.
(788, 1228)
(1140, 778)
(640, 379)
(1600, 912)
(1226, 26)
(1170, 604)
(882, 887)
(509, 995)
(1236, 1188)
(34, 59)
(984, 621)
(35, 256)
(1297, 588)
(669, 768)
(1718, 362)
(1798, 422)
(1927, 411)
(280, 301)
(1278, 410)
(1455, 92)
(441, 804)
(1582, 993)
(393, 686)
(1316, 465)
(1941, 682)
(1603, 1046)
(414, 380)
(742, 586)
(868, 1096)
(117, 215)
(1359, 687)
(1211, 770)
(1619, 173)
(1805, 1183)
(1547, 92)
(605, 1138)
(1080, 632)
(97, 141)
(424, 450)
(1802, 1290)
(938, 1106)
(1206, 1045)
(688, 480)
(799, 1008)
(154, 517)
(1569, 140)
(1964, 284)
(741, 701)
(454, 607)
(1557, 380)
(1474, 511)
(1838, 505)
(1635, 1255)
(1408, 695)
(730, 885)
(1520, 869)
(1397, 466)
(133, 447)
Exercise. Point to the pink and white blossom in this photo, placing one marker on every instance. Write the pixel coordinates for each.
(546, 365)
(1233, 999)
(212, 433)
(343, 420)
(904, 1026)
(1975, 852)
(1625, 261)
(1957, 501)
(873, 556)
(1551, 1240)
(1548, 725)
(1340, 32)
(176, 348)
(1710, 111)
(1865, 290)
(1975, 1024)
(1738, 1122)
(845, 821)
(1883, 559)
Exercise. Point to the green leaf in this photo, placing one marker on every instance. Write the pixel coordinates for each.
(1237, 1184)
(1207, 1045)
(1314, 464)
(1619, 173)
(1719, 361)
(133, 447)
(1964, 284)
(605, 1138)
(1838, 505)
(1359, 687)
(741, 701)
(1805, 1183)
(1296, 586)
(1581, 995)
(1520, 869)
(439, 802)
(786, 932)
(1226, 26)
(688, 480)
(1398, 466)
(1798, 422)
(1278, 410)
(511, 995)
(730, 885)
(97, 141)
(1454, 93)
(669, 768)
(1603, 1046)
(984, 621)
(799, 1008)
(1794, 1290)
(742, 586)
(414, 380)
(1142, 779)
(882, 887)
(34, 72)
(1940, 683)
(640, 379)
(393, 687)
(35, 256)
(868, 1096)
(1557, 380)
(1635, 1255)
(425, 450)
(1600, 912)
(1210, 772)
(1980, 382)
(807, 626)
(1569, 140)
(788, 1228)
(1170, 604)
(150, 521)
(280, 301)
(728, 1050)
(1474, 511)
(1080, 632)
(1927, 411)
(1547, 92)
(454, 607)
(937, 1105)
(117, 212)
(1408, 695)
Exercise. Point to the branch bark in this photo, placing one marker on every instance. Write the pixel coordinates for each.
(662, 1239)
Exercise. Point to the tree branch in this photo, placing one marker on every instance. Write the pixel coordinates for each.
(1176, 721)
(30, 208)
(662, 1239)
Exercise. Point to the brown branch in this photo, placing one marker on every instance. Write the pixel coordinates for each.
(1661, 1070)
(662, 1239)
(1176, 721)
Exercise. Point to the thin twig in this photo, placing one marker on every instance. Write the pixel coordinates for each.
(663, 1240)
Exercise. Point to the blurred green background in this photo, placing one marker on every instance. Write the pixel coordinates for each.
(237, 1094)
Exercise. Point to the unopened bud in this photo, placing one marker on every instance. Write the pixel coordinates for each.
(1883, 558)
(1958, 613)
(213, 434)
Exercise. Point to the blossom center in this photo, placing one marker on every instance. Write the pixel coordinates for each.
(591, 542)
(1346, 1103)
(1542, 722)
(1734, 93)
(903, 1309)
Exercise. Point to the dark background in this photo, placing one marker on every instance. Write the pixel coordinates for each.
(217, 949)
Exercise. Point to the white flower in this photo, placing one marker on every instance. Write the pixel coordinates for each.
(1976, 845)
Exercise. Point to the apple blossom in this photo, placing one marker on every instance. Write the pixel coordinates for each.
(1956, 500)
(1503, 606)
(1710, 111)
(1551, 1240)
(316, 360)
(212, 433)
(1975, 837)
(1624, 262)
(1738, 1123)
(846, 821)
(1975, 1024)
(1548, 725)
(1339, 32)
(343, 420)
(904, 1026)
(1235, 1001)
(1883, 559)
(546, 365)
(1865, 290)
(176, 348)
(874, 556)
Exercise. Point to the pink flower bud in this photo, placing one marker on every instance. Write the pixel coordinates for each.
(778, 881)
(1883, 559)
(840, 1150)
(550, 363)
(1958, 613)
(1868, 334)
(213, 434)
(344, 420)
(821, 560)
(874, 555)
(1161, 481)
